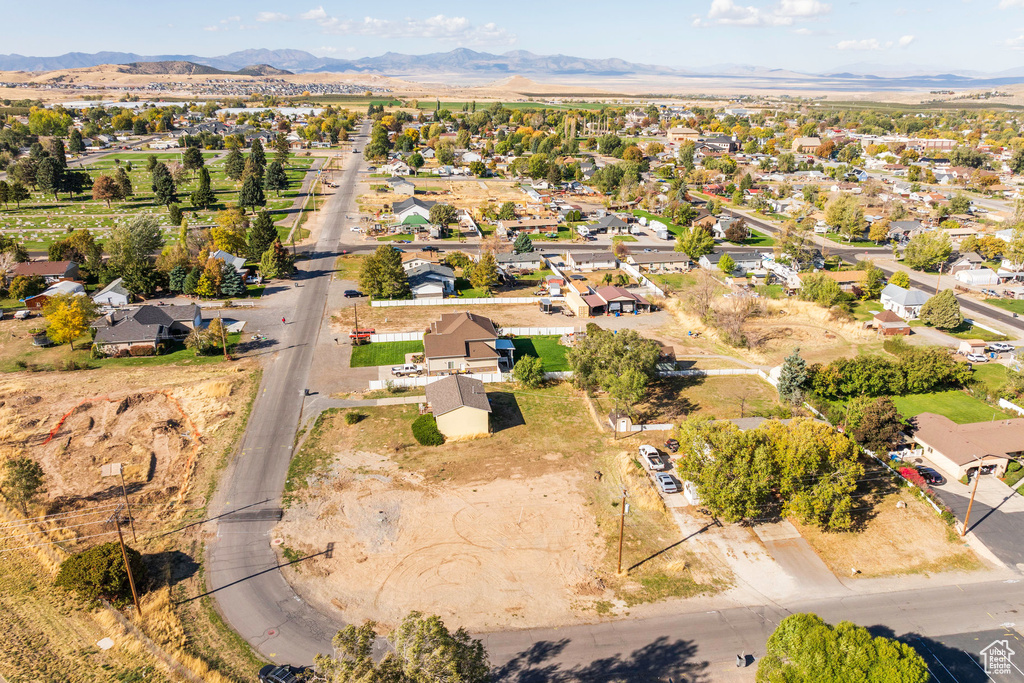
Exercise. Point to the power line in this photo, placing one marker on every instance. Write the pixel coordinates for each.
(69, 514)
(60, 528)
(39, 545)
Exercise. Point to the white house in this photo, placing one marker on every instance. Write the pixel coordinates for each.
(906, 303)
(113, 295)
(430, 281)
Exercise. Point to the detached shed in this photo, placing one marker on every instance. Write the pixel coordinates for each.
(460, 406)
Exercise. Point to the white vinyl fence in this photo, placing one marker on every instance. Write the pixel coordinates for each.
(641, 278)
(489, 377)
(386, 303)
(396, 337)
(651, 428)
(537, 331)
(1003, 403)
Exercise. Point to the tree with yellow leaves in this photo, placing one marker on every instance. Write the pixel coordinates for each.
(230, 232)
(68, 316)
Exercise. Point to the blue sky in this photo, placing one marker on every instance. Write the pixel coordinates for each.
(804, 35)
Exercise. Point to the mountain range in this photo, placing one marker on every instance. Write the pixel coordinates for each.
(471, 63)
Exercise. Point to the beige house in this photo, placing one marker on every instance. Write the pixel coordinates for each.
(460, 406)
(808, 145)
(682, 135)
(465, 343)
(959, 450)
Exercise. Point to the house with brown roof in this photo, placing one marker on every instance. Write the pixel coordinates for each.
(960, 450)
(889, 324)
(464, 343)
(682, 134)
(460, 407)
(585, 301)
(50, 271)
(808, 145)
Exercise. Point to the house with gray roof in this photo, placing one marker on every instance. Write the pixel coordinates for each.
(906, 303)
(430, 281)
(460, 407)
(145, 326)
(530, 260)
(113, 295)
(237, 262)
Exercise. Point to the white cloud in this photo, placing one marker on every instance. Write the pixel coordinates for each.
(863, 45)
(272, 16)
(211, 28)
(906, 41)
(231, 19)
(1015, 43)
(440, 27)
(785, 13)
(1008, 4)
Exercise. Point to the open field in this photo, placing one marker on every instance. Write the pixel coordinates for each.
(956, 405)
(673, 399)
(892, 540)
(433, 529)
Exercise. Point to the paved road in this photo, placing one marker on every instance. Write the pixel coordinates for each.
(242, 568)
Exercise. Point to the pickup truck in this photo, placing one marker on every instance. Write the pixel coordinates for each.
(361, 334)
(409, 369)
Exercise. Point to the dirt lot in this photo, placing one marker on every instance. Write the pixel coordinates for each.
(462, 194)
(514, 530)
(894, 540)
(723, 398)
(171, 427)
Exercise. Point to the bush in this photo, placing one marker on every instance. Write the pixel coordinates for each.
(141, 350)
(353, 417)
(529, 371)
(424, 429)
(99, 573)
(896, 345)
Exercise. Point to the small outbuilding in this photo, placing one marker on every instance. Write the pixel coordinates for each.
(460, 406)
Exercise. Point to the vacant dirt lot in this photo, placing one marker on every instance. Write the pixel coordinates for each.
(510, 531)
(894, 540)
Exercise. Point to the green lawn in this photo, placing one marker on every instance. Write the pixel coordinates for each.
(623, 238)
(969, 331)
(672, 227)
(1011, 305)
(860, 244)
(676, 281)
(383, 353)
(395, 237)
(564, 234)
(535, 276)
(865, 310)
(545, 347)
(956, 405)
(756, 239)
(467, 291)
(992, 375)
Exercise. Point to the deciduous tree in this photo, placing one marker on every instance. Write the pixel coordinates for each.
(942, 311)
(23, 481)
(99, 572)
(926, 250)
(68, 316)
(485, 272)
(105, 188)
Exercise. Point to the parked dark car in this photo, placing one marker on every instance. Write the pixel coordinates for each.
(931, 476)
(429, 248)
(353, 294)
(672, 446)
(272, 673)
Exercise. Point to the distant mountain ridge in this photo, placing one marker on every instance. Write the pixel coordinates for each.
(191, 68)
(484, 64)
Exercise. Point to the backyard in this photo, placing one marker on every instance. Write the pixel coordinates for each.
(383, 353)
(545, 347)
(956, 405)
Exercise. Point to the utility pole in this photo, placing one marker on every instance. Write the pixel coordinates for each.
(977, 478)
(355, 313)
(127, 567)
(622, 526)
(118, 469)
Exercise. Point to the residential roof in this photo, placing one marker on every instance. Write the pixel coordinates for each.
(399, 207)
(63, 287)
(114, 287)
(905, 297)
(142, 324)
(888, 317)
(43, 268)
(450, 336)
(457, 391)
(525, 257)
(966, 443)
(660, 257)
(236, 262)
(398, 180)
(610, 221)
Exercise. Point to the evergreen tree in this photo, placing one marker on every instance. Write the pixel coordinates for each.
(277, 262)
(75, 143)
(282, 149)
(262, 235)
(5, 193)
(19, 193)
(176, 278)
(276, 179)
(192, 281)
(202, 197)
(251, 194)
(124, 182)
(49, 176)
(231, 284)
(192, 160)
(523, 244)
(234, 164)
(174, 213)
(258, 158)
(793, 378)
(163, 186)
(57, 153)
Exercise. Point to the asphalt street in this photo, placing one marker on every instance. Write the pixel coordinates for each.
(242, 567)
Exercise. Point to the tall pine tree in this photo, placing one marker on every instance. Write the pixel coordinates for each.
(261, 236)
(202, 197)
(258, 158)
(251, 194)
(793, 378)
(234, 164)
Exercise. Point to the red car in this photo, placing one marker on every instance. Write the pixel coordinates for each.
(361, 334)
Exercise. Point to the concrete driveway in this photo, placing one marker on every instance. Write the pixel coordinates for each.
(997, 518)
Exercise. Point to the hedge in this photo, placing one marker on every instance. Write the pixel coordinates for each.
(424, 428)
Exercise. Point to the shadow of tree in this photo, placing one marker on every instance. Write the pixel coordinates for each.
(659, 660)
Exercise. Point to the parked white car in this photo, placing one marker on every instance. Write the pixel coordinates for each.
(651, 458)
(666, 483)
(977, 358)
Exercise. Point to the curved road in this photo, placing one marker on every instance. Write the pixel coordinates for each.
(242, 570)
